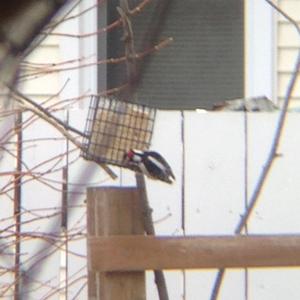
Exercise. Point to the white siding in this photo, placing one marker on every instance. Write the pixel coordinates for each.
(40, 257)
(288, 47)
(259, 49)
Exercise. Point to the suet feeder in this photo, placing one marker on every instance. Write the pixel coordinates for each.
(113, 127)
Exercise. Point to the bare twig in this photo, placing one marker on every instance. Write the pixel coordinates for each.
(42, 71)
(17, 203)
(276, 140)
(110, 27)
(43, 113)
(279, 10)
(68, 17)
(273, 151)
(149, 229)
(272, 154)
(55, 122)
(130, 55)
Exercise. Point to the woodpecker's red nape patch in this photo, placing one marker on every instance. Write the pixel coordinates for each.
(130, 154)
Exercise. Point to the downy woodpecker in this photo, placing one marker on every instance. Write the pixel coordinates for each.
(151, 164)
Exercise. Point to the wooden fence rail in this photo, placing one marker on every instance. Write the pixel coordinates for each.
(120, 253)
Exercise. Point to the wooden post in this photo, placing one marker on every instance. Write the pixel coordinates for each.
(114, 211)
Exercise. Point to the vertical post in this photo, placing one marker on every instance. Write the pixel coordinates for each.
(114, 211)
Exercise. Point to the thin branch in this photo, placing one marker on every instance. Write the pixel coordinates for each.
(149, 229)
(108, 28)
(131, 68)
(55, 23)
(280, 11)
(56, 123)
(51, 69)
(272, 154)
(43, 113)
(274, 147)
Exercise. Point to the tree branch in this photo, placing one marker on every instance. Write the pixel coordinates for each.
(272, 154)
(63, 128)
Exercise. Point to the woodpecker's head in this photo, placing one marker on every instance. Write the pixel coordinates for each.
(133, 156)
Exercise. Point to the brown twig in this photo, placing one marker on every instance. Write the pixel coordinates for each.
(274, 147)
(65, 18)
(108, 28)
(55, 122)
(17, 202)
(272, 154)
(149, 229)
(132, 55)
(131, 67)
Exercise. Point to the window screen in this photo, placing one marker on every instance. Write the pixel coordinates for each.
(203, 65)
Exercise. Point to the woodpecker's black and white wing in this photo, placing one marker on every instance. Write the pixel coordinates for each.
(157, 167)
(149, 163)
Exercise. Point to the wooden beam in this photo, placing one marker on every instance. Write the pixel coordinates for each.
(110, 211)
(128, 253)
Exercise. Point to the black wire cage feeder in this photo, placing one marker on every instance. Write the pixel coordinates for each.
(113, 127)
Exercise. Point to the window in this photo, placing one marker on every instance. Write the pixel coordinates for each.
(203, 65)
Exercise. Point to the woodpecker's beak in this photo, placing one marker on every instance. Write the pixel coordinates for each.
(125, 158)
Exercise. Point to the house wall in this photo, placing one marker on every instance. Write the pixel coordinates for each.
(40, 258)
(259, 50)
(39, 144)
(7, 165)
(288, 41)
